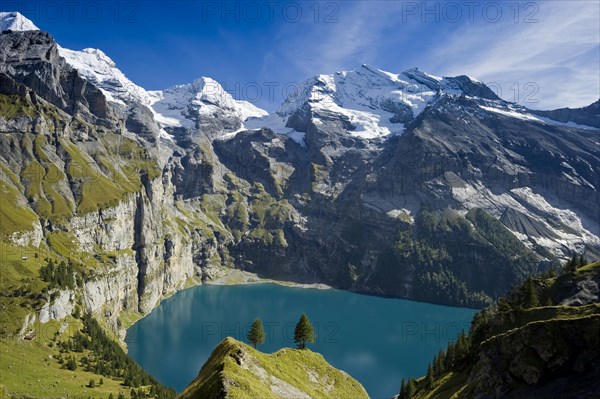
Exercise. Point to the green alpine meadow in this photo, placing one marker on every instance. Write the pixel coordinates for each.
(301, 224)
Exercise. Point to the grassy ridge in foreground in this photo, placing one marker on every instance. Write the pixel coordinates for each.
(238, 371)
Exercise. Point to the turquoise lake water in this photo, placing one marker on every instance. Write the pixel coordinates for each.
(377, 340)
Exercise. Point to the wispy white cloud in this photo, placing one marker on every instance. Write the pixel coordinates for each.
(559, 54)
(351, 37)
(351, 40)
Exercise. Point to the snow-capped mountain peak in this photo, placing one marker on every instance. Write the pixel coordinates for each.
(95, 66)
(184, 105)
(209, 92)
(15, 21)
(178, 106)
(375, 102)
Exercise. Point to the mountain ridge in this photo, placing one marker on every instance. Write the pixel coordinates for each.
(15, 21)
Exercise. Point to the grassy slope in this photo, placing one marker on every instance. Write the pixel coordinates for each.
(98, 177)
(223, 376)
(28, 369)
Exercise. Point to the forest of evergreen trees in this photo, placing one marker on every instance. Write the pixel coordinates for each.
(449, 258)
(104, 356)
(60, 275)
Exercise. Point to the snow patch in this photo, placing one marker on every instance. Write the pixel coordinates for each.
(277, 124)
(523, 115)
(512, 113)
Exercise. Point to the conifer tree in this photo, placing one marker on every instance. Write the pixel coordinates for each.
(402, 394)
(256, 335)
(532, 299)
(411, 388)
(71, 363)
(503, 305)
(303, 332)
(460, 347)
(441, 361)
(429, 376)
(449, 357)
(572, 264)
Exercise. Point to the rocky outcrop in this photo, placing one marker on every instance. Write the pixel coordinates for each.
(547, 358)
(141, 122)
(60, 307)
(521, 349)
(31, 58)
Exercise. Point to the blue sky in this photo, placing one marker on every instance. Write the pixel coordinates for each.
(545, 54)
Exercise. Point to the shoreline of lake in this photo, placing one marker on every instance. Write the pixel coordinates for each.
(241, 277)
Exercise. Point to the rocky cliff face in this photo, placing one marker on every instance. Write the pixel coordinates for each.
(553, 358)
(82, 187)
(32, 59)
(369, 176)
(397, 184)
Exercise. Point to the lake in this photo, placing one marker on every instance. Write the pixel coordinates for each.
(376, 340)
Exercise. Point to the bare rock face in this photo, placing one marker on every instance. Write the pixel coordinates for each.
(140, 121)
(31, 58)
(589, 116)
(580, 292)
(61, 307)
